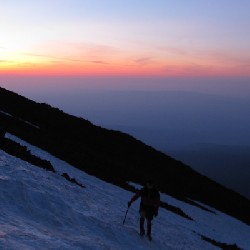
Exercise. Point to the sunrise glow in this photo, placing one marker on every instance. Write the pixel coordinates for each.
(125, 38)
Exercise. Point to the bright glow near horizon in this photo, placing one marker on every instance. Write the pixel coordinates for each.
(132, 37)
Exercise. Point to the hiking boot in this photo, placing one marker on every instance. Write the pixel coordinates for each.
(142, 232)
(149, 237)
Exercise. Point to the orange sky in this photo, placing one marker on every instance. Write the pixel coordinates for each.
(125, 38)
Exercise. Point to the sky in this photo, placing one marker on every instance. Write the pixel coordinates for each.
(158, 38)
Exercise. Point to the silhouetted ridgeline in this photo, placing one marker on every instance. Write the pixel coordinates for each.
(111, 155)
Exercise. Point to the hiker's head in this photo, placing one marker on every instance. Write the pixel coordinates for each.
(149, 184)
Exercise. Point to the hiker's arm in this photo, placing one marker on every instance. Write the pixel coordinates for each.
(134, 198)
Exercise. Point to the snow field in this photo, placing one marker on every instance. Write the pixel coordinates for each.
(41, 210)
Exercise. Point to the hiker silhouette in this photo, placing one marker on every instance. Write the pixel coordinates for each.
(150, 201)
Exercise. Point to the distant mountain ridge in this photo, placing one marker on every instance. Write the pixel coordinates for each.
(229, 165)
(111, 155)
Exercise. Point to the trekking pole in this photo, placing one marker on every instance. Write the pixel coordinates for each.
(125, 216)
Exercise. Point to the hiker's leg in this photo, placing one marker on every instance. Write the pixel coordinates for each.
(149, 227)
(142, 220)
(149, 217)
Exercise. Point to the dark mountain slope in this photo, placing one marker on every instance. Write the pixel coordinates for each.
(111, 155)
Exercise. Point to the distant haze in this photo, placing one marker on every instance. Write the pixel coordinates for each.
(164, 119)
(177, 112)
